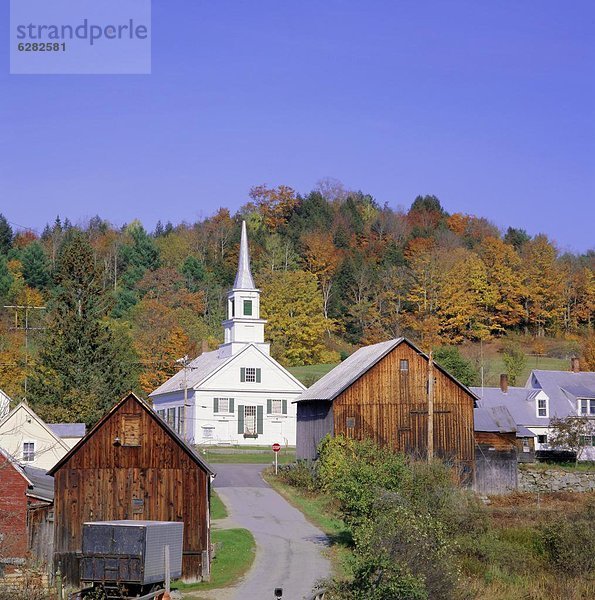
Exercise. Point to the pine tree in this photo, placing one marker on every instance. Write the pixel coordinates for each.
(79, 373)
(36, 267)
(6, 235)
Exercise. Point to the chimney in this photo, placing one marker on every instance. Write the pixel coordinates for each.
(575, 365)
(504, 382)
(204, 346)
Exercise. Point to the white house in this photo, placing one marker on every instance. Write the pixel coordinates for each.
(237, 394)
(28, 440)
(547, 395)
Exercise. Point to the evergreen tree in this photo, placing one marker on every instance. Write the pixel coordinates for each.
(449, 358)
(36, 267)
(80, 372)
(5, 277)
(6, 235)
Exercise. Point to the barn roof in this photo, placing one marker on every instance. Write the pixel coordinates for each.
(195, 456)
(353, 367)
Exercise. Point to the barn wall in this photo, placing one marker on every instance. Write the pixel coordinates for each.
(101, 480)
(496, 471)
(390, 406)
(40, 525)
(314, 421)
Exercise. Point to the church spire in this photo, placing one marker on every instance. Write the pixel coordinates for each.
(244, 279)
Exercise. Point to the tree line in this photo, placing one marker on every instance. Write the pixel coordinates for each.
(336, 269)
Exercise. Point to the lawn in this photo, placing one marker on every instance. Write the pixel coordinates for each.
(218, 509)
(235, 551)
(248, 456)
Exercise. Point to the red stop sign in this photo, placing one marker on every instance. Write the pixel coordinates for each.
(276, 447)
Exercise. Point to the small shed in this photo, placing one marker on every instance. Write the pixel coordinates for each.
(26, 513)
(381, 393)
(132, 465)
(496, 458)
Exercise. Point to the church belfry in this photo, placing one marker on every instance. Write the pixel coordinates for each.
(243, 324)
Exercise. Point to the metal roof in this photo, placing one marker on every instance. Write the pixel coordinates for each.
(344, 374)
(197, 370)
(494, 419)
(520, 403)
(42, 484)
(243, 280)
(68, 429)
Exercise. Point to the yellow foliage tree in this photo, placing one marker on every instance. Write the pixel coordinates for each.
(296, 326)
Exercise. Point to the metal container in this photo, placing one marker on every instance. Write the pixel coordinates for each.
(131, 551)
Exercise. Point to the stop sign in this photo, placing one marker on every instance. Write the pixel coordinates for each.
(276, 447)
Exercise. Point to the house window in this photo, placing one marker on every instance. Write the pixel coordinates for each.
(586, 406)
(249, 375)
(542, 407)
(542, 439)
(171, 417)
(28, 451)
(161, 413)
(179, 418)
(222, 405)
(404, 365)
(276, 407)
(247, 308)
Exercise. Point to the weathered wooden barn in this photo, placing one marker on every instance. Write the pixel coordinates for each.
(132, 465)
(26, 514)
(382, 392)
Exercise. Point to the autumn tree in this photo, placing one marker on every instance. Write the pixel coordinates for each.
(275, 204)
(296, 325)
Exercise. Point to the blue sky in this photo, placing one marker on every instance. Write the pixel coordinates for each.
(488, 105)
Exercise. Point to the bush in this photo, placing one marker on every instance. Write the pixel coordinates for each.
(301, 475)
(568, 543)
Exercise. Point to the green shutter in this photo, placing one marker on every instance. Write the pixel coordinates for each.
(269, 406)
(242, 374)
(240, 418)
(231, 405)
(257, 375)
(259, 419)
(284, 409)
(216, 405)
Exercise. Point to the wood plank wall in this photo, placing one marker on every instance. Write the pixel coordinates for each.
(314, 421)
(100, 481)
(391, 406)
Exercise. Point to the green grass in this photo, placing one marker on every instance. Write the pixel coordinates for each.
(218, 509)
(319, 510)
(235, 552)
(588, 466)
(309, 374)
(286, 455)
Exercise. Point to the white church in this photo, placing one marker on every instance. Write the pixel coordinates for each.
(237, 394)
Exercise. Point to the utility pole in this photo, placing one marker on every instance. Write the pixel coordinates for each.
(26, 329)
(430, 408)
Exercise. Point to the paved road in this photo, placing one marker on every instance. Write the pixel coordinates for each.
(288, 547)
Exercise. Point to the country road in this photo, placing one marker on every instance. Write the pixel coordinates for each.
(289, 549)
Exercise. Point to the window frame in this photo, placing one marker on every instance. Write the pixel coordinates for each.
(589, 407)
(217, 400)
(247, 302)
(28, 453)
(404, 362)
(542, 435)
(540, 408)
(246, 375)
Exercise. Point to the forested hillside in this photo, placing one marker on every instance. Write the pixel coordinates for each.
(336, 270)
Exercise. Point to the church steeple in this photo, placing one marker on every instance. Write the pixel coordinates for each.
(243, 325)
(244, 279)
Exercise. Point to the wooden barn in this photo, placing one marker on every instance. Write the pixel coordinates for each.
(382, 392)
(26, 514)
(132, 465)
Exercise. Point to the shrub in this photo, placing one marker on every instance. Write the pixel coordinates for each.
(301, 475)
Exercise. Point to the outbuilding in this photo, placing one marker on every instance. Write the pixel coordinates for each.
(382, 392)
(132, 465)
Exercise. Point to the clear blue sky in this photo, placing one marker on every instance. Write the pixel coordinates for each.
(488, 105)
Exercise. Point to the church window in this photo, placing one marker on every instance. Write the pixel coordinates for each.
(231, 308)
(222, 405)
(276, 407)
(250, 375)
(247, 308)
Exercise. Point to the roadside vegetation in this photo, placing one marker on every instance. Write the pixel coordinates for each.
(405, 530)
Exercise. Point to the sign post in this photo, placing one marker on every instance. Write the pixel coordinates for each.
(276, 448)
